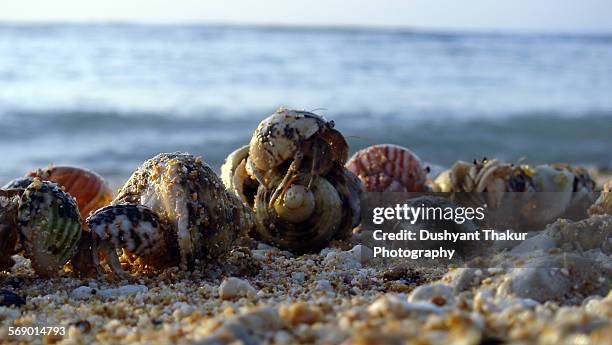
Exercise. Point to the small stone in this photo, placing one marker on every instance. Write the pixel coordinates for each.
(234, 288)
(299, 277)
(82, 292)
(8, 298)
(126, 290)
(300, 313)
(362, 253)
(324, 285)
(438, 294)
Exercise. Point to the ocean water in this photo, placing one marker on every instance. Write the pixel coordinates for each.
(108, 96)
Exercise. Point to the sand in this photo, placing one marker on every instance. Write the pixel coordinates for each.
(341, 295)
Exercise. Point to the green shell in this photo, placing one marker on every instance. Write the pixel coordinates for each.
(50, 226)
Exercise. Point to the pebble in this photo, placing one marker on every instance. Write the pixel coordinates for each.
(324, 285)
(362, 254)
(85, 292)
(438, 294)
(235, 288)
(8, 298)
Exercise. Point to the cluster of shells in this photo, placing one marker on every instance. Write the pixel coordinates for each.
(528, 196)
(293, 186)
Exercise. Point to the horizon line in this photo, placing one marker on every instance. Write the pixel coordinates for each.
(312, 26)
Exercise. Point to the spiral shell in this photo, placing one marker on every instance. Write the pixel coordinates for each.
(50, 226)
(236, 178)
(388, 168)
(293, 177)
(203, 219)
(89, 188)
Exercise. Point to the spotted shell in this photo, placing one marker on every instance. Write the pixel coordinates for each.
(89, 188)
(286, 133)
(137, 230)
(188, 196)
(388, 168)
(50, 225)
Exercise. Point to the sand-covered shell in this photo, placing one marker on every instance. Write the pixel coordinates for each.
(187, 196)
(603, 205)
(293, 177)
(50, 226)
(294, 136)
(89, 188)
(389, 168)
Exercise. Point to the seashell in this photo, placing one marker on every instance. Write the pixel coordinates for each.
(19, 183)
(303, 218)
(183, 213)
(50, 226)
(293, 177)
(389, 168)
(136, 229)
(603, 205)
(89, 188)
(294, 138)
(9, 235)
(236, 178)
(534, 196)
(280, 136)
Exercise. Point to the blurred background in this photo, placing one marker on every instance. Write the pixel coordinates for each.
(107, 86)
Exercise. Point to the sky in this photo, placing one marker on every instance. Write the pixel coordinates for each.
(503, 15)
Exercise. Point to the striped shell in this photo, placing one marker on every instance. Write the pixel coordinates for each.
(89, 188)
(388, 168)
(50, 226)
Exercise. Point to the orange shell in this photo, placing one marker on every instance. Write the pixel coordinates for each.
(388, 168)
(88, 188)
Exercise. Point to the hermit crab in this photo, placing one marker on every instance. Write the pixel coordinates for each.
(533, 196)
(173, 210)
(292, 175)
(43, 222)
(389, 168)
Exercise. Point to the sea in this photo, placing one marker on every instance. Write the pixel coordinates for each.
(107, 96)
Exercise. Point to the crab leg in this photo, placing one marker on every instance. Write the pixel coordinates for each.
(112, 259)
(293, 168)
